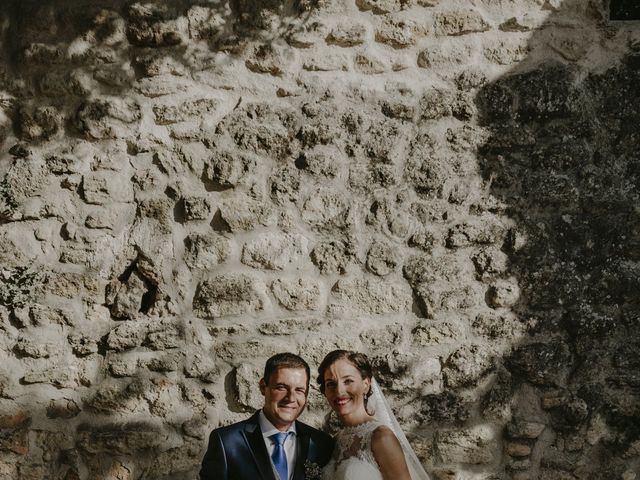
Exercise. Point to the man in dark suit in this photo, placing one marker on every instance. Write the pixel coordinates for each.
(271, 444)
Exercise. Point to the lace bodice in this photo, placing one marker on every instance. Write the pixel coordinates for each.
(352, 457)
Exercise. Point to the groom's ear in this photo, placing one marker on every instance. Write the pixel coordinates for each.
(263, 386)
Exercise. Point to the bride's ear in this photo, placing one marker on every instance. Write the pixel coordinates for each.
(367, 382)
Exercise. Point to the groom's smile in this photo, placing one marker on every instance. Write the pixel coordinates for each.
(285, 396)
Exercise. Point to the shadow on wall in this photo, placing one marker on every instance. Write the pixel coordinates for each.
(562, 156)
(117, 48)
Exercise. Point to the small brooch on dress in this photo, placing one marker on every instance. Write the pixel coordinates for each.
(312, 471)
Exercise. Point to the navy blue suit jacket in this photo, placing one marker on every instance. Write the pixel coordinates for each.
(238, 452)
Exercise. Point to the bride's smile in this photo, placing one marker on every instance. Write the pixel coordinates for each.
(345, 389)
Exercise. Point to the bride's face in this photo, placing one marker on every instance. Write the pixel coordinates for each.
(345, 388)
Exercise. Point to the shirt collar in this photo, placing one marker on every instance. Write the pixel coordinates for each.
(267, 428)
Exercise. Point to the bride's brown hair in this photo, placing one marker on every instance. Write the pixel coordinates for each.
(359, 360)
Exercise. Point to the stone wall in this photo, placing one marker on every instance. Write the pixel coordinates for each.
(187, 187)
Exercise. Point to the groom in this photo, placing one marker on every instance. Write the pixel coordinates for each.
(271, 444)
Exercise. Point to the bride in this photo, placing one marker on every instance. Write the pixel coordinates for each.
(370, 445)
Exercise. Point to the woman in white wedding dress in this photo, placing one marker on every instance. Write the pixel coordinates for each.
(370, 445)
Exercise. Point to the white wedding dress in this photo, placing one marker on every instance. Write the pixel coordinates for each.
(353, 458)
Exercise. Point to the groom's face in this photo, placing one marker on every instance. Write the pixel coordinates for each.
(285, 396)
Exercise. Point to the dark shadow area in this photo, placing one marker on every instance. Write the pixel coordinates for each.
(624, 10)
(60, 54)
(563, 157)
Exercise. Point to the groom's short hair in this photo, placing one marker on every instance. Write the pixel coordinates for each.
(285, 360)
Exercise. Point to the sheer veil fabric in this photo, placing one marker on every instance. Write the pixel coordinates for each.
(378, 404)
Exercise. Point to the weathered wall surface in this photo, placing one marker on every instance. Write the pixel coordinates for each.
(187, 187)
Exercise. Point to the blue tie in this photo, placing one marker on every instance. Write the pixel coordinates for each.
(279, 457)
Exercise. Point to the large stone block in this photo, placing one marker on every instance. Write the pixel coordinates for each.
(467, 364)
(226, 169)
(232, 294)
(206, 251)
(275, 251)
(325, 207)
(243, 213)
(370, 296)
(187, 110)
(297, 294)
(246, 384)
(105, 187)
(106, 118)
(460, 23)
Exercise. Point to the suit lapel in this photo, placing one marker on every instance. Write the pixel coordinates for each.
(302, 451)
(255, 442)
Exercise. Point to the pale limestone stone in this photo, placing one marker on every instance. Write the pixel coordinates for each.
(297, 294)
(399, 32)
(228, 295)
(379, 6)
(325, 206)
(382, 258)
(269, 58)
(168, 114)
(109, 117)
(127, 335)
(104, 187)
(246, 383)
(128, 301)
(275, 251)
(206, 251)
(347, 35)
(242, 213)
(227, 169)
(370, 296)
(460, 23)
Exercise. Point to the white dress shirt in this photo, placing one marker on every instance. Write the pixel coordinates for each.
(290, 443)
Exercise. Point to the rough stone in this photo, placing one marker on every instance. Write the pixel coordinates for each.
(196, 208)
(107, 118)
(325, 207)
(297, 294)
(168, 114)
(370, 296)
(127, 335)
(379, 7)
(246, 384)
(244, 213)
(382, 259)
(398, 32)
(206, 251)
(460, 23)
(347, 35)
(466, 365)
(103, 187)
(269, 58)
(227, 295)
(504, 293)
(62, 408)
(275, 251)
(228, 169)
(128, 300)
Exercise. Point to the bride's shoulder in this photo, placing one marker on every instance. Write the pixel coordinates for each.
(383, 437)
